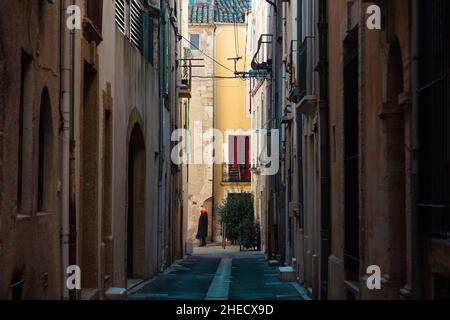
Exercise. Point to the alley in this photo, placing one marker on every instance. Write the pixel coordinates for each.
(314, 132)
(216, 274)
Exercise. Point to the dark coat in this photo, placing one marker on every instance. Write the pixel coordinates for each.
(202, 226)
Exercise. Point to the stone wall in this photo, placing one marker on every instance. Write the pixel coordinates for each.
(201, 115)
(29, 55)
(383, 121)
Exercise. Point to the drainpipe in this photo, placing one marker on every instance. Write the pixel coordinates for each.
(161, 53)
(65, 93)
(213, 209)
(179, 173)
(286, 219)
(286, 175)
(416, 245)
(72, 179)
(324, 148)
(67, 83)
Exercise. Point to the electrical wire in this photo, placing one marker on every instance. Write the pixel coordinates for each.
(205, 54)
(217, 77)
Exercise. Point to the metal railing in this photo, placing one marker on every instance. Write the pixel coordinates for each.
(185, 84)
(292, 72)
(236, 173)
(302, 65)
(258, 62)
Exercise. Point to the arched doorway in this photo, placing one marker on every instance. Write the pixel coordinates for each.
(136, 205)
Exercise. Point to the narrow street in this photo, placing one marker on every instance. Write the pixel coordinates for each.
(213, 273)
(139, 136)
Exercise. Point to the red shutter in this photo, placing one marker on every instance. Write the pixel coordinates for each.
(247, 158)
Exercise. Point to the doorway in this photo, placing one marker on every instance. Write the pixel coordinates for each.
(136, 205)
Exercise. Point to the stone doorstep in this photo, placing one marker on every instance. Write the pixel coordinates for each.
(116, 294)
(287, 274)
(189, 248)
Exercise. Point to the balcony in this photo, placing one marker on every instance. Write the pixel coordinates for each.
(298, 75)
(185, 84)
(236, 173)
(261, 60)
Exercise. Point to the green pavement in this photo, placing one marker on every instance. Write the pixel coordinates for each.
(216, 274)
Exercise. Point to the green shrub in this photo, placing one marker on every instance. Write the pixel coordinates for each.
(237, 213)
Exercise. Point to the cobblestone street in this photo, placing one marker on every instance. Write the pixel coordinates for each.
(213, 273)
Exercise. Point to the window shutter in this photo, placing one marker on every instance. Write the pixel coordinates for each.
(120, 15)
(136, 25)
(95, 13)
(148, 37)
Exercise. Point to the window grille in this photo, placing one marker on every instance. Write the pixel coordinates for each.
(434, 109)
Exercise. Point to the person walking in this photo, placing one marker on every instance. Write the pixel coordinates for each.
(202, 231)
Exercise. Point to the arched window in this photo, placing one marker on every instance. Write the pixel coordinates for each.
(45, 155)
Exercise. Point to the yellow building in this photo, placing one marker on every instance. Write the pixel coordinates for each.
(217, 34)
(232, 115)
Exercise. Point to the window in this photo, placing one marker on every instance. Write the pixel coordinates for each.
(351, 160)
(194, 39)
(95, 12)
(45, 156)
(434, 101)
(238, 167)
(148, 38)
(121, 19)
(301, 198)
(136, 25)
(25, 88)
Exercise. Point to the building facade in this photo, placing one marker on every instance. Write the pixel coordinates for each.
(363, 178)
(30, 136)
(86, 145)
(219, 101)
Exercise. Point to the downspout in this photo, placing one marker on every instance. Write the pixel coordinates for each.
(324, 148)
(213, 209)
(179, 173)
(161, 132)
(65, 96)
(416, 245)
(286, 175)
(72, 179)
